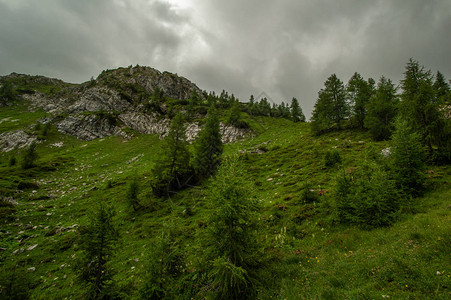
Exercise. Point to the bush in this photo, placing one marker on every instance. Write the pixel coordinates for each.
(308, 195)
(132, 194)
(331, 158)
(29, 156)
(369, 199)
(12, 161)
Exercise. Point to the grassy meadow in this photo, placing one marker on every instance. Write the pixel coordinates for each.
(309, 255)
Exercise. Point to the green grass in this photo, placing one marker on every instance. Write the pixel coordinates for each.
(311, 257)
(18, 117)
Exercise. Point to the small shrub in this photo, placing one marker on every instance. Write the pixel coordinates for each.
(132, 194)
(369, 199)
(331, 158)
(308, 195)
(29, 157)
(12, 161)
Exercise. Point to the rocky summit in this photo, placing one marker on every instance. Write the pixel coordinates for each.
(118, 102)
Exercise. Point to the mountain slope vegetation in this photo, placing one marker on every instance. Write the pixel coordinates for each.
(165, 247)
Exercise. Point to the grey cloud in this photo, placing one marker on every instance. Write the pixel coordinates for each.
(286, 48)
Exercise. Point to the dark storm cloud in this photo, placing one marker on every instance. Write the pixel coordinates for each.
(285, 48)
(77, 39)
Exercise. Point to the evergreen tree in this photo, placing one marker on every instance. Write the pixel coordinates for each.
(132, 194)
(359, 93)
(97, 242)
(368, 197)
(296, 112)
(264, 108)
(208, 147)
(381, 110)
(331, 107)
(442, 89)
(407, 159)
(29, 157)
(7, 92)
(233, 253)
(165, 259)
(193, 101)
(420, 109)
(173, 172)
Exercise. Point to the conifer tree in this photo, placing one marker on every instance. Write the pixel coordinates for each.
(208, 147)
(132, 194)
(442, 89)
(97, 242)
(7, 92)
(173, 172)
(296, 112)
(331, 107)
(420, 109)
(164, 261)
(407, 159)
(359, 93)
(232, 250)
(381, 110)
(29, 157)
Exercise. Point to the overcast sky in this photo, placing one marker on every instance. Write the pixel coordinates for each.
(286, 48)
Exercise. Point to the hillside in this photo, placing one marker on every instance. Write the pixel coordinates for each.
(308, 254)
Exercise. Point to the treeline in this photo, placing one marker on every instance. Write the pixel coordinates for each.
(423, 101)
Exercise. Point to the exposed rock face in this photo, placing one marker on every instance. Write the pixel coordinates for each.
(144, 123)
(15, 139)
(105, 106)
(88, 127)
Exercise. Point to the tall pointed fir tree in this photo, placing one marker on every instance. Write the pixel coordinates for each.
(173, 172)
(420, 109)
(359, 93)
(208, 147)
(331, 107)
(296, 111)
(442, 89)
(381, 110)
(97, 242)
(232, 252)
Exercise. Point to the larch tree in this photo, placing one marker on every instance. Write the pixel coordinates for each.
(208, 147)
(359, 93)
(173, 171)
(381, 110)
(296, 112)
(331, 108)
(420, 109)
(232, 251)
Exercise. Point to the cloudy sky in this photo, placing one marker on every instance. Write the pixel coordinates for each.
(286, 48)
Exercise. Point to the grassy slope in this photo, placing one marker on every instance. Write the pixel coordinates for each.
(312, 258)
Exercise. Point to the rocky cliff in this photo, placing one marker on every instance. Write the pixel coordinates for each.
(117, 101)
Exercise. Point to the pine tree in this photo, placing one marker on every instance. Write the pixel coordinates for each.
(331, 107)
(132, 194)
(381, 110)
(296, 112)
(232, 250)
(208, 147)
(420, 109)
(7, 92)
(29, 157)
(97, 242)
(173, 172)
(359, 93)
(407, 159)
(164, 261)
(442, 89)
